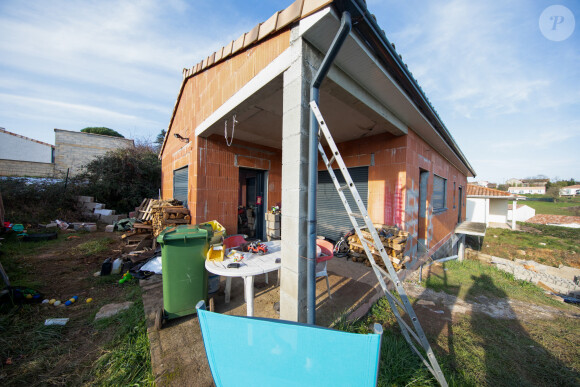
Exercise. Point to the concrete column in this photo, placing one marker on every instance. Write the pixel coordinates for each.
(486, 212)
(514, 209)
(295, 123)
(461, 248)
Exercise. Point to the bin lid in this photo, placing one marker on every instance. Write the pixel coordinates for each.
(185, 231)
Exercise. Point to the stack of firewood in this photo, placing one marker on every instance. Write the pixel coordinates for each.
(393, 239)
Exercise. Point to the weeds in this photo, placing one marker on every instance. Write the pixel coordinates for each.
(94, 247)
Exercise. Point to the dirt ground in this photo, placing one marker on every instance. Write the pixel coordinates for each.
(61, 273)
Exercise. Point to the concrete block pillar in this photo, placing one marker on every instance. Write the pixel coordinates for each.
(295, 124)
(514, 210)
(461, 248)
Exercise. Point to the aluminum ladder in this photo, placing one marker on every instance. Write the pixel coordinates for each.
(408, 332)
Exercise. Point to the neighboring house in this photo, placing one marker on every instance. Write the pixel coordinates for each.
(535, 182)
(481, 183)
(571, 190)
(527, 190)
(523, 212)
(403, 160)
(23, 156)
(514, 182)
(487, 205)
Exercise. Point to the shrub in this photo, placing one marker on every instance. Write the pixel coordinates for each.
(102, 130)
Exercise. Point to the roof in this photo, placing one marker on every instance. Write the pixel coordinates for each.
(365, 24)
(572, 187)
(479, 191)
(554, 219)
(2, 130)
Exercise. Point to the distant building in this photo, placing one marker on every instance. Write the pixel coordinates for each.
(23, 156)
(571, 190)
(527, 190)
(535, 182)
(514, 182)
(482, 183)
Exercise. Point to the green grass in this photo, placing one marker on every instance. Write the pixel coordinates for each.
(126, 359)
(475, 349)
(470, 279)
(550, 245)
(568, 207)
(94, 247)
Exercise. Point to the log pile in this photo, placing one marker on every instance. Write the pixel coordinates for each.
(393, 239)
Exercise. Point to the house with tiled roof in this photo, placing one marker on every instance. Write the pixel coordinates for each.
(487, 205)
(527, 190)
(239, 137)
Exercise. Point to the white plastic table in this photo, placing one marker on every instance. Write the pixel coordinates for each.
(251, 265)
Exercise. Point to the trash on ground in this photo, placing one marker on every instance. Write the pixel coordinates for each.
(56, 321)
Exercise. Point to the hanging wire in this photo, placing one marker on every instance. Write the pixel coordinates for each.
(234, 122)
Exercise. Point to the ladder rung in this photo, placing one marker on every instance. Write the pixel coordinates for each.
(343, 187)
(355, 215)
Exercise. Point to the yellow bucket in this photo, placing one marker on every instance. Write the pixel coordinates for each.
(215, 253)
(219, 231)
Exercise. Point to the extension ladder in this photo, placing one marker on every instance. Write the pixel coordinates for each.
(381, 274)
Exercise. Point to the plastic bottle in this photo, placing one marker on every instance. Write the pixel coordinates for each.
(106, 267)
(117, 263)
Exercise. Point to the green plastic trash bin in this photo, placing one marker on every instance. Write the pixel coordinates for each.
(183, 252)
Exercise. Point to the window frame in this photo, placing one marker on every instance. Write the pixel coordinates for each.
(443, 208)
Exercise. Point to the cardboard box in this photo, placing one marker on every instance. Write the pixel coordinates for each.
(272, 217)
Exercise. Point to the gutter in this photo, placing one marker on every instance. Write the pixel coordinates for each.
(341, 35)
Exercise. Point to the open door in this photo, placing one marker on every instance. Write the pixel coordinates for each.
(460, 206)
(423, 218)
(251, 202)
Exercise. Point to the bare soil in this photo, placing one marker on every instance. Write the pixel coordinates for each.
(61, 273)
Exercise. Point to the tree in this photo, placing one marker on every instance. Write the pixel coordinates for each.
(159, 140)
(123, 178)
(102, 130)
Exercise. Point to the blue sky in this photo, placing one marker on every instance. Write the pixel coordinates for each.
(509, 96)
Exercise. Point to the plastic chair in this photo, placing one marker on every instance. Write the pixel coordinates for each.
(326, 249)
(249, 351)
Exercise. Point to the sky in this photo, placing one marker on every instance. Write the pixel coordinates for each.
(503, 76)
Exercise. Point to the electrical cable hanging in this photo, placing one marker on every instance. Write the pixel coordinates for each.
(234, 122)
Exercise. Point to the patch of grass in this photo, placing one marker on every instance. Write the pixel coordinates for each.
(470, 279)
(564, 207)
(126, 360)
(94, 247)
(550, 245)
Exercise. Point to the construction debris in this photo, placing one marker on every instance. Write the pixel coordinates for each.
(394, 240)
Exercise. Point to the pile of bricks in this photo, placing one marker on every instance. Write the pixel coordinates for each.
(393, 239)
(273, 226)
(97, 211)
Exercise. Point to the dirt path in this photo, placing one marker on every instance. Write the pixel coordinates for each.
(441, 302)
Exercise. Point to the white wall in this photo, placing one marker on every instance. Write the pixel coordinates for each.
(22, 149)
(523, 213)
(498, 209)
(475, 210)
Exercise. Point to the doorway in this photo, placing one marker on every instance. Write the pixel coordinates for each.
(423, 219)
(252, 202)
(460, 206)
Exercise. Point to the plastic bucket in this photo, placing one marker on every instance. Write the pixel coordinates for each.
(213, 283)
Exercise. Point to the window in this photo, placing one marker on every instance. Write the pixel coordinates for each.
(439, 193)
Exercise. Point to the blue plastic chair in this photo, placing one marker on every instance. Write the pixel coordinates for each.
(250, 351)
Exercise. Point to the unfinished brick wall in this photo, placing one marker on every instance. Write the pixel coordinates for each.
(26, 168)
(438, 226)
(385, 155)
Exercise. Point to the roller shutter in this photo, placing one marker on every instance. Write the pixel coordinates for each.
(180, 180)
(332, 219)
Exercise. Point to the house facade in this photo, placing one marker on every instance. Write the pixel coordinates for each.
(527, 190)
(571, 190)
(23, 156)
(487, 205)
(403, 160)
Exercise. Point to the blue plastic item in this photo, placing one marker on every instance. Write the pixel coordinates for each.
(248, 351)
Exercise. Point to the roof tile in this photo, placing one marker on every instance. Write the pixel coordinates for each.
(311, 6)
(269, 26)
(251, 36)
(238, 44)
(290, 14)
(477, 190)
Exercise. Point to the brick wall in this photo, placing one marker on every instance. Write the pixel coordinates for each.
(75, 149)
(26, 168)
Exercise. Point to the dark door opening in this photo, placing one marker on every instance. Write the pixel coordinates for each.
(460, 206)
(251, 202)
(422, 216)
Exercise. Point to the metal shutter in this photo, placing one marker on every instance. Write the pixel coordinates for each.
(332, 219)
(180, 179)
